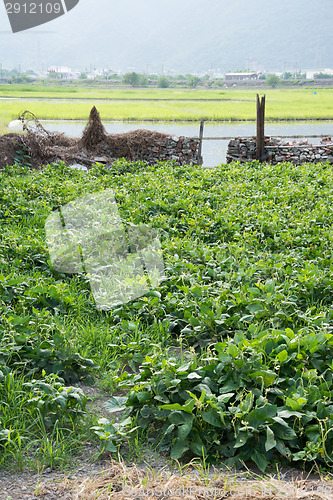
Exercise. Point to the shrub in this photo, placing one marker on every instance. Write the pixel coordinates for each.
(163, 82)
(272, 80)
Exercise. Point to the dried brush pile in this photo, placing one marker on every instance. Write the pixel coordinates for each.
(128, 145)
(94, 134)
(42, 146)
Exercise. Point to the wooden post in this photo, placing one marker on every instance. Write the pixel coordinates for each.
(199, 160)
(260, 150)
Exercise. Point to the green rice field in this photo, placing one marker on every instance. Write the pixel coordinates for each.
(164, 105)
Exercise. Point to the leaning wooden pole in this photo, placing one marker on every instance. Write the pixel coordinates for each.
(199, 159)
(260, 149)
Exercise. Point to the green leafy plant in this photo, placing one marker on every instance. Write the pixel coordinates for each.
(113, 434)
(255, 399)
(40, 420)
(31, 353)
(230, 358)
(22, 158)
(54, 401)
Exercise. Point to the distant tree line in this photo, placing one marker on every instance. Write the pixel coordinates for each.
(134, 79)
(323, 76)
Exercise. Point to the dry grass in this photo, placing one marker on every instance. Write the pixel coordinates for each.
(120, 482)
(94, 133)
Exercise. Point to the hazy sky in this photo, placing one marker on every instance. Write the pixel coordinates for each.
(178, 35)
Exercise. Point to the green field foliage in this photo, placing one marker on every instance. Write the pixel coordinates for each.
(231, 357)
(164, 104)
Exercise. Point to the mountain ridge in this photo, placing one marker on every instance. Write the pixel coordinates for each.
(186, 36)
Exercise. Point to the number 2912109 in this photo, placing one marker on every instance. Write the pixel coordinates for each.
(33, 8)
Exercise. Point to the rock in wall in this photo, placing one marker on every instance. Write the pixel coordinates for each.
(277, 151)
(183, 150)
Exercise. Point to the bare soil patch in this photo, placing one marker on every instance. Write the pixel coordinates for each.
(114, 480)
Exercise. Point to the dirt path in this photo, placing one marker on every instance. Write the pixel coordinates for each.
(110, 480)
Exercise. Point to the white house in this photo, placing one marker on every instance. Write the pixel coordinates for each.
(61, 71)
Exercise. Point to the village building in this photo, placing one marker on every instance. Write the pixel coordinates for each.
(233, 77)
(60, 71)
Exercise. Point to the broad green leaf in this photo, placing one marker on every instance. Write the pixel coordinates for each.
(212, 418)
(260, 460)
(255, 307)
(146, 411)
(295, 404)
(61, 401)
(173, 406)
(288, 413)
(310, 374)
(290, 333)
(115, 403)
(194, 376)
(161, 398)
(282, 356)
(241, 439)
(282, 448)
(197, 291)
(20, 320)
(110, 447)
(270, 286)
(247, 403)
(180, 447)
(233, 350)
(187, 407)
(247, 318)
(267, 376)
(301, 455)
(194, 321)
(228, 387)
(259, 416)
(270, 440)
(143, 396)
(169, 429)
(206, 311)
(103, 421)
(185, 429)
(184, 368)
(180, 417)
(224, 398)
(282, 430)
(44, 353)
(197, 447)
(205, 391)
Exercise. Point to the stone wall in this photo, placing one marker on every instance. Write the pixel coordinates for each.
(183, 150)
(277, 151)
